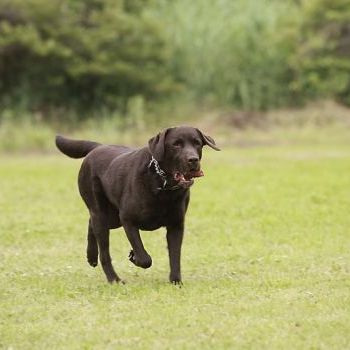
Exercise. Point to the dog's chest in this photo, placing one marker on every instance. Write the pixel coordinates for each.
(160, 213)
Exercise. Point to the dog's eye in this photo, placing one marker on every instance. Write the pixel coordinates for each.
(178, 143)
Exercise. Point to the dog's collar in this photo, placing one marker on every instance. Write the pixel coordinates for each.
(162, 174)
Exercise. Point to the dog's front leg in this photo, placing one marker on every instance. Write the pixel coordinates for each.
(138, 254)
(174, 238)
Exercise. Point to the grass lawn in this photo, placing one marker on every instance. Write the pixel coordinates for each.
(266, 258)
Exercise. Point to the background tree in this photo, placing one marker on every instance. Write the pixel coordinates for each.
(323, 55)
(78, 53)
(94, 55)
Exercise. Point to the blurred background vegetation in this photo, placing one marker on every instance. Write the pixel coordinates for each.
(135, 63)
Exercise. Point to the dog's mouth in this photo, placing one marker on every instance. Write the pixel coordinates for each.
(186, 179)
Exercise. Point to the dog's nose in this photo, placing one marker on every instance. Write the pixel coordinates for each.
(193, 160)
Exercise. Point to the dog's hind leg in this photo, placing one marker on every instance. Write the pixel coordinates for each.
(92, 248)
(101, 232)
(99, 224)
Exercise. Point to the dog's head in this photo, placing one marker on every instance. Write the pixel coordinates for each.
(179, 152)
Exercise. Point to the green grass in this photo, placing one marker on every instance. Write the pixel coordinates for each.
(265, 258)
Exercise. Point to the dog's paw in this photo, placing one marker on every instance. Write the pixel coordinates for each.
(131, 256)
(92, 255)
(92, 262)
(175, 279)
(177, 283)
(116, 280)
(144, 262)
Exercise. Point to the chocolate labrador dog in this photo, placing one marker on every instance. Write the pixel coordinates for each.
(139, 189)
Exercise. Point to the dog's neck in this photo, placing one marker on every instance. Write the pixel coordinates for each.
(154, 165)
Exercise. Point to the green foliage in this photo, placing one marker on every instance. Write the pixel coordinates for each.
(323, 56)
(80, 53)
(123, 56)
(235, 52)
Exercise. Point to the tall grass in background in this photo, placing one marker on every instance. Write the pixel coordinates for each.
(233, 52)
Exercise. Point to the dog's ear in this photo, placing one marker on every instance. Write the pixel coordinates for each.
(207, 140)
(157, 145)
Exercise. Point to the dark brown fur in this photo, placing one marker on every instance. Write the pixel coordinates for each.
(119, 188)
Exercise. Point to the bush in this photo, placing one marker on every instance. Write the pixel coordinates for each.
(91, 57)
(234, 52)
(80, 54)
(323, 56)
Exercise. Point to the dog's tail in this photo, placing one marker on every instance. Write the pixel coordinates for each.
(75, 148)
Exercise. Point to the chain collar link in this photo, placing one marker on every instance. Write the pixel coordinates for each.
(162, 174)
